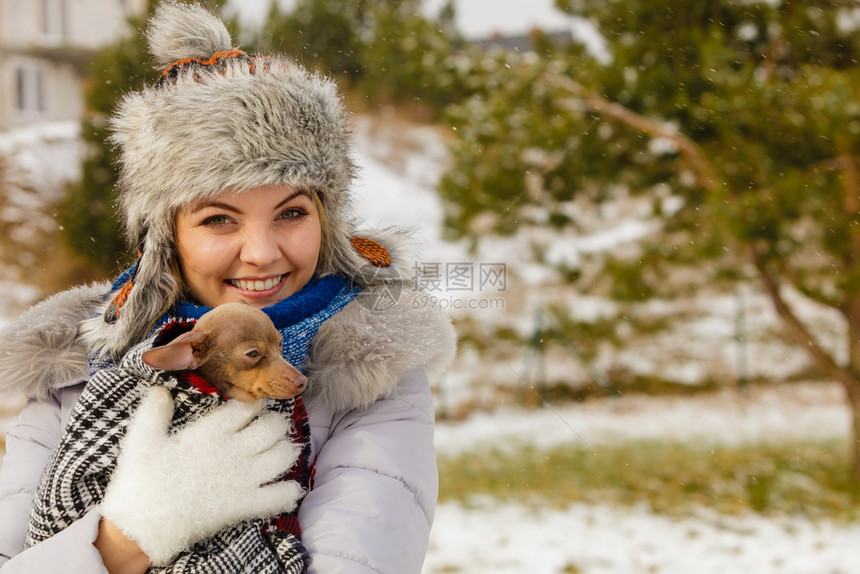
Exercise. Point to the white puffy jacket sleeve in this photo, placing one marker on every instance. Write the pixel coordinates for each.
(376, 485)
(28, 446)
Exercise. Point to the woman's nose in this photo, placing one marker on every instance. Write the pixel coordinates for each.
(260, 247)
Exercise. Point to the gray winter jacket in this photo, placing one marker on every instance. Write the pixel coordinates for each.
(371, 417)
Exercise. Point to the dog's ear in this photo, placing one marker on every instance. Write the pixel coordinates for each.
(185, 353)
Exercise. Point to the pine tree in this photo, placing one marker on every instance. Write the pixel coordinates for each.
(384, 50)
(747, 111)
(321, 34)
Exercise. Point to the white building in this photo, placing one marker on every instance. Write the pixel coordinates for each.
(45, 46)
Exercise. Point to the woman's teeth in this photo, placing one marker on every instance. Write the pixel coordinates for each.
(256, 285)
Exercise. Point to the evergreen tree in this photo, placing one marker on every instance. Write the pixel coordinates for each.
(746, 110)
(406, 55)
(321, 34)
(385, 50)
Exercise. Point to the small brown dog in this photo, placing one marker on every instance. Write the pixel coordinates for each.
(237, 349)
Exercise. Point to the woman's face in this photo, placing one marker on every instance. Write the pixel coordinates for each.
(257, 247)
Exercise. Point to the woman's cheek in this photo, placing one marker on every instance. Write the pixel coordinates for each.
(206, 250)
(310, 241)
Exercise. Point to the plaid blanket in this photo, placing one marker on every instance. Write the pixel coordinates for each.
(78, 472)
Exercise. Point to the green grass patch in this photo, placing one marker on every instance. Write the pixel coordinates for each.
(809, 479)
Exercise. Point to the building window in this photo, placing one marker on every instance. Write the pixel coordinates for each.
(54, 18)
(29, 90)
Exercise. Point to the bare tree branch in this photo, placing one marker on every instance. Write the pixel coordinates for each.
(704, 170)
(851, 204)
(813, 294)
(796, 328)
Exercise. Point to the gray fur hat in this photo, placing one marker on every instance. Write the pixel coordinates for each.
(218, 119)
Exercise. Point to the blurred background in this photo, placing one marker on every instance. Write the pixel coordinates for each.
(642, 215)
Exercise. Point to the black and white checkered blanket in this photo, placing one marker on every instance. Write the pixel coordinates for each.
(78, 472)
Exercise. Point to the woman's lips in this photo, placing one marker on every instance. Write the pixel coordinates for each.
(256, 284)
(259, 288)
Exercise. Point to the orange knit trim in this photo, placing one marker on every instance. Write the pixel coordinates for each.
(372, 251)
(121, 297)
(216, 57)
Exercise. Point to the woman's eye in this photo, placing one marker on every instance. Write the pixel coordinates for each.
(216, 220)
(293, 213)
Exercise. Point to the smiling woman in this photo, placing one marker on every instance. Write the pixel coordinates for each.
(234, 187)
(258, 247)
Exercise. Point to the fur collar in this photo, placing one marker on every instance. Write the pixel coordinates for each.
(40, 352)
(357, 357)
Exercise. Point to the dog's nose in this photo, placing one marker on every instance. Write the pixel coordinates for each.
(300, 382)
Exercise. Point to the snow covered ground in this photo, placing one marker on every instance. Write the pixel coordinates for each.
(399, 170)
(493, 538)
(795, 411)
(488, 536)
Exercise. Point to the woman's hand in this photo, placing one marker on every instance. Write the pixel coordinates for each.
(119, 554)
(171, 491)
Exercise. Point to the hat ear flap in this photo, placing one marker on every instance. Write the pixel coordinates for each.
(153, 288)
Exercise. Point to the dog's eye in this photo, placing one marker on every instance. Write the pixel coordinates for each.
(253, 354)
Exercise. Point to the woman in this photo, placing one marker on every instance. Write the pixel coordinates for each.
(234, 187)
